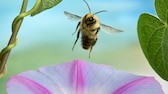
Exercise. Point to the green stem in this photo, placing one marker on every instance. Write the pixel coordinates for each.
(5, 53)
(15, 28)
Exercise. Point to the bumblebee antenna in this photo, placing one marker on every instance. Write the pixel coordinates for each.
(87, 5)
(100, 11)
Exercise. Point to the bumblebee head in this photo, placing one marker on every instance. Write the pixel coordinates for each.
(90, 19)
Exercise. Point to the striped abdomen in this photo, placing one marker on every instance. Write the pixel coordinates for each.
(88, 42)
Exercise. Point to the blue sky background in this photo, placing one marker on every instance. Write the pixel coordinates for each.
(52, 29)
(52, 25)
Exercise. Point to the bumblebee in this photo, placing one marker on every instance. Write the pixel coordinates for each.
(89, 26)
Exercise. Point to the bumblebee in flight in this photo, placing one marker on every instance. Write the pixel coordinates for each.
(89, 27)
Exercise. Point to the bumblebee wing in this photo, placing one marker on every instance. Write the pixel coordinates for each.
(109, 29)
(72, 17)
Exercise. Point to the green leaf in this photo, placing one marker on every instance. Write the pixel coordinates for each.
(46, 4)
(153, 37)
(162, 9)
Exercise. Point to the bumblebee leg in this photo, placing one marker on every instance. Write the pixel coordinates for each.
(92, 47)
(90, 51)
(98, 29)
(76, 39)
(76, 28)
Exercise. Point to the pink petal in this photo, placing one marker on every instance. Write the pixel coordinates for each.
(17, 84)
(146, 85)
(79, 77)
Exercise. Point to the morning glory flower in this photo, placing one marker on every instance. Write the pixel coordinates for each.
(80, 77)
